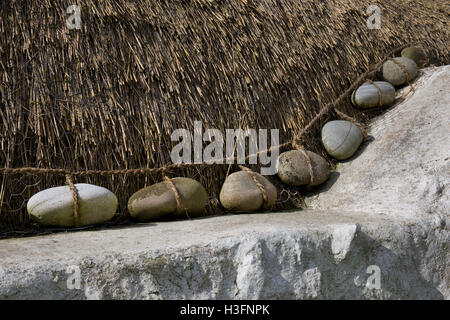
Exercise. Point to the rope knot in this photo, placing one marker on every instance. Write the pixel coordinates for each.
(175, 192)
(380, 95)
(259, 185)
(76, 200)
(309, 163)
(344, 116)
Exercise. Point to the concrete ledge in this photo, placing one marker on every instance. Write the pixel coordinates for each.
(289, 255)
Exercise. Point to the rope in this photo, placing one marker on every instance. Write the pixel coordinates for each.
(371, 71)
(344, 116)
(175, 193)
(76, 200)
(145, 171)
(308, 161)
(259, 185)
(402, 67)
(139, 171)
(380, 95)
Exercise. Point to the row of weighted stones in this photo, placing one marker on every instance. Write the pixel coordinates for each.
(242, 191)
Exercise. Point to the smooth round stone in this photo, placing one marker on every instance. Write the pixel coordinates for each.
(394, 73)
(158, 200)
(240, 193)
(293, 168)
(54, 206)
(367, 96)
(415, 54)
(341, 138)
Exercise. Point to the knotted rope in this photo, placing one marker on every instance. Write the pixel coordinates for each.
(308, 162)
(76, 200)
(380, 95)
(259, 185)
(175, 192)
(402, 67)
(344, 116)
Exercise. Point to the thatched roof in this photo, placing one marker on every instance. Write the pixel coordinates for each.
(109, 95)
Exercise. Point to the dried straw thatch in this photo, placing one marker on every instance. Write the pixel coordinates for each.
(109, 95)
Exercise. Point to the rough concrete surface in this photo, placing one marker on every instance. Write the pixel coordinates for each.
(379, 231)
(403, 169)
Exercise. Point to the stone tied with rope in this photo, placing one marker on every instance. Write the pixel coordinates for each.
(183, 196)
(299, 167)
(341, 138)
(415, 54)
(172, 198)
(373, 94)
(399, 71)
(73, 205)
(246, 190)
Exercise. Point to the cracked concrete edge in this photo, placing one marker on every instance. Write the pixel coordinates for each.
(306, 261)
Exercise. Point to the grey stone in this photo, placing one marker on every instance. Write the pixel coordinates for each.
(292, 168)
(240, 193)
(396, 75)
(158, 200)
(415, 54)
(54, 206)
(341, 138)
(367, 95)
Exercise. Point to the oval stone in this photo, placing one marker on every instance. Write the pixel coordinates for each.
(54, 206)
(415, 54)
(158, 200)
(292, 168)
(341, 138)
(240, 193)
(367, 95)
(395, 74)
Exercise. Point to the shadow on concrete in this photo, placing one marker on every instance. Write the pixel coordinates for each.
(361, 149)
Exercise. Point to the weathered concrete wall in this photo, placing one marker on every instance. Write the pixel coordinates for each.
(296, 255)
(387, 211)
